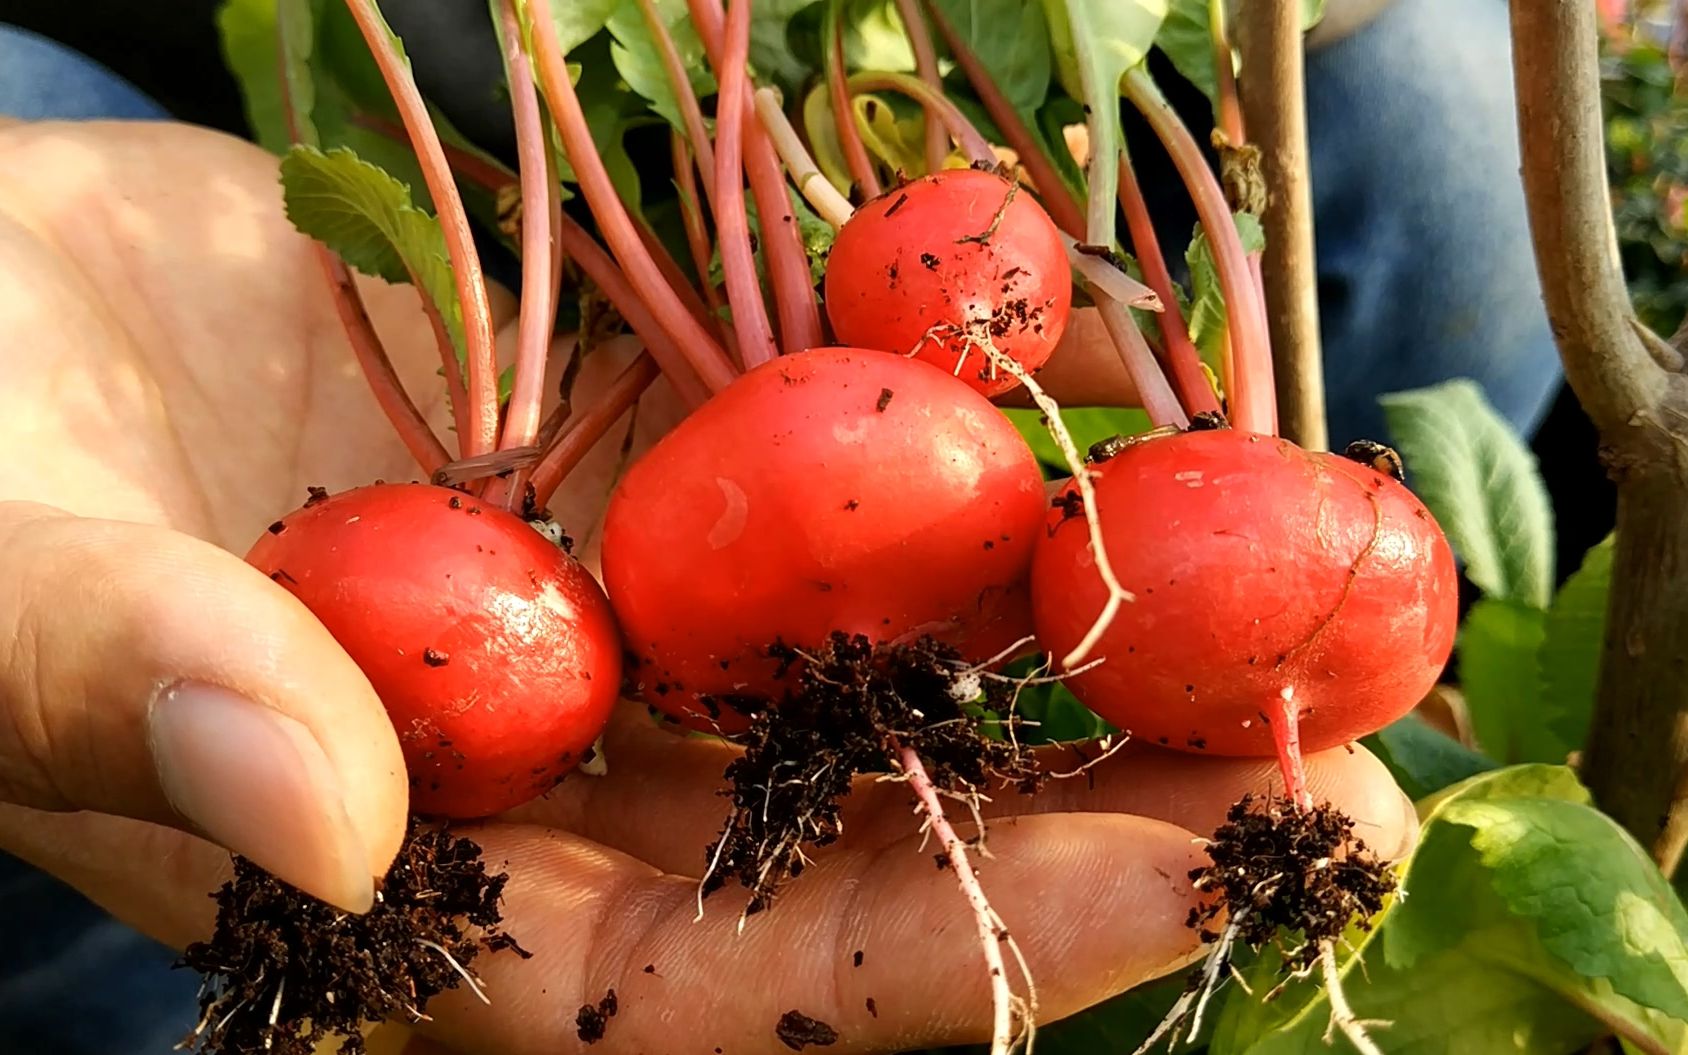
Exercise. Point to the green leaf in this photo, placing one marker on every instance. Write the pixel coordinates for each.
(640, 63)
(1115, 1026)
(578, 21)
(1528, 923)
(895, 140)
(1206, 312)
(1500, 677)
(1096, 42)
(771, 53)
(1424, 760)
(369, 219)
(1011, 40)
(1186, 38)
(1570, 652)
(1086, 424)
(1481, 483)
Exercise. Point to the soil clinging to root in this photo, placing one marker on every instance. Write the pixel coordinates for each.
(854, 706)
(1278, 869)
(284, 971)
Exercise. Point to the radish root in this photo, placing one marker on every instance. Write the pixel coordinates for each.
(1006, 1006)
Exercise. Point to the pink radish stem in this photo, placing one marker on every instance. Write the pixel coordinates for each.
(1185, 362)
(732, 226)
(686, 174)
(680, 82)
(377, 368)
(454, 222)
(1057, 197)
(577, 438)
(786, 259)
(537, 316)
(926, 66)
(1253, 402)
(685, 334)
(843, 108)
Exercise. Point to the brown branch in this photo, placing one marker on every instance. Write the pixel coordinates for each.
(1274, 101)
(1633, 389)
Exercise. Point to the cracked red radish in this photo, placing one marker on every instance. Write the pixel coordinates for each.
(947, 260)
(1265, 577)
(494, 651)
(835, 489)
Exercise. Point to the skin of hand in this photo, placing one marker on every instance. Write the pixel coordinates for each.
(174, 378)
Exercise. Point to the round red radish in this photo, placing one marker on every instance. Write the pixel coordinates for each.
(831, 490)
(948, 260)
(495, 653)
(1259, 569)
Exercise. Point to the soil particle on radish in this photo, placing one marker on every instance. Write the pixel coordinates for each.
(854, 705)
(798, 1031)
(1285, 870)
(285, 971)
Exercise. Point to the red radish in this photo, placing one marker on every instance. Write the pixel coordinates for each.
(494, 651)
(1262, 574)
(940, 263)
(835, 489)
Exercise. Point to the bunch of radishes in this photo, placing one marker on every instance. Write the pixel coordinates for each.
(1216, 589)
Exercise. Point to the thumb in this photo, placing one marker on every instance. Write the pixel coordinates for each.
(148, 674)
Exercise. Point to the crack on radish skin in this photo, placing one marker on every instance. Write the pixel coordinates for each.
(1348, 582)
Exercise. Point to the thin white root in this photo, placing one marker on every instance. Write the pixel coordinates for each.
(1111, 746)
(275, 1013)
(702, 884)
(1216, 963)
(992, 934)
(474, 986)
(1342, 1016)
(1117, 594)
(816, 189)
(1101, 273)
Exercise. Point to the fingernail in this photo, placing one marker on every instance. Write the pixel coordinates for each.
(1409, 828)
(258, 783)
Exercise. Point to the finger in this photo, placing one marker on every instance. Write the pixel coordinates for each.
(157, 677)
(1085, 370)
(596, 920)
(660, 801)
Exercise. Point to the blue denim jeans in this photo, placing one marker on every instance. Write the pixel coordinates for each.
(1425, 273)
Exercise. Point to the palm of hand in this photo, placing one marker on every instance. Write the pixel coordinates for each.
(173, 359)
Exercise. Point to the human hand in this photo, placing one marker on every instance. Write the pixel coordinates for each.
(175, 378)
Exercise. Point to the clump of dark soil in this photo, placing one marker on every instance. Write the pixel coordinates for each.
(798, 1031)
(592, 1019)
(1279, 869)
(855, 705)
(285, 971)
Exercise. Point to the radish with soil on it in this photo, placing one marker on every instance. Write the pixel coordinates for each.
(945, 263)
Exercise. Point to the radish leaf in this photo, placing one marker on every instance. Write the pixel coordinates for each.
(1499, 673)
(1574, 638)
(637, 59)
(1481, 483)
(367, 217)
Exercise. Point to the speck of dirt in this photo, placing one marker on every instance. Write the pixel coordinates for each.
(1207, 421)
(435, 658)
(885, 395)
(1295, 871)
(281, 575)
(1106, 449)
(284, 971)
(1070, 503)
(798, 1031)
(929, 261)
(313, 495)
(455, 502)
(902, 199)
(650, 968)
(591, 1020)
(872, 1007)
(277, 528)
(851, 709)
(990, 544)
(857, 959)
(853, 504)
